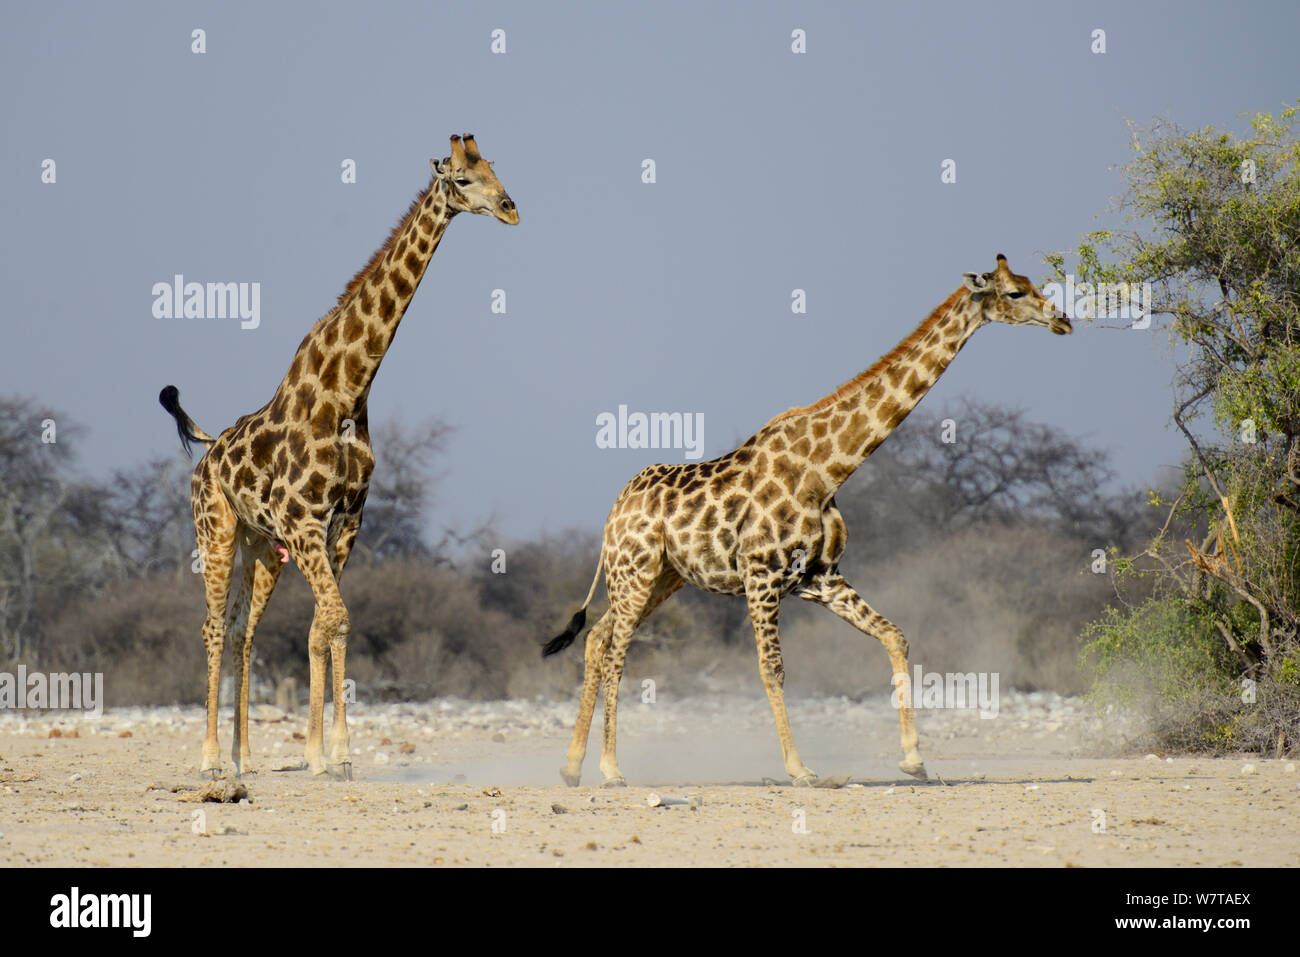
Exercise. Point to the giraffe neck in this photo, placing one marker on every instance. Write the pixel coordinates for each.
(341, 354)
(836, 434)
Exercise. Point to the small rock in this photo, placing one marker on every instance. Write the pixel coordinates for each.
(1031, 787)
(1290, 767)
(492, 792)
(462, 807)
(76, 776)
(221, 791)
(406, 747)
(499, 738)
(832, 781)
(559, 809)
(1248, 769)
(381, 757)
(1152, 757)
(125, 734)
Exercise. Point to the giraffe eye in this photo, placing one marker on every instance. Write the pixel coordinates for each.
(462, 182)
(1015, 295)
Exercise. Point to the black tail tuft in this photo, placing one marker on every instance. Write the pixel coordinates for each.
(562, 641)
(170, 398)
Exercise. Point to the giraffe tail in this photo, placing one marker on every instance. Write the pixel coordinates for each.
(579, 620)
(170, 397)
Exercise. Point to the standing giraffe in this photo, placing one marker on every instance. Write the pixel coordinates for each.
(761, 521)
(290, 480)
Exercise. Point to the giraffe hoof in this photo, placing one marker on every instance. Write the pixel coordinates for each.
(915, 768)
(210, 774)
(340, 772)
(808, 780)
(617, 781)
(570, 779)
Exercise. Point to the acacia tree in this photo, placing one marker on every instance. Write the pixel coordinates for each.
(1219, 242)
(36, 553)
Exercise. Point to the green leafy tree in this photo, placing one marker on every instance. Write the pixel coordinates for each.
(1217, 237)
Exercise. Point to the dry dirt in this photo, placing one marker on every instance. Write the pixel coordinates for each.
(456, 783)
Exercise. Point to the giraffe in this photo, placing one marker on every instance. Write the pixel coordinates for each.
(761, 521)
(289, 481)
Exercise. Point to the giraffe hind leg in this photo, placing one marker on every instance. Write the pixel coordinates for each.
(215, 525)
(598, 651)
(261, 571)
(839, 596)
(597, 644)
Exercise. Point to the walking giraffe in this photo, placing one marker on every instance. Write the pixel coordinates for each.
(290, 480)
(761, 520)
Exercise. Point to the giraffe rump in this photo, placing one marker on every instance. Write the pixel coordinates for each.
(565, 638)
(170, 397)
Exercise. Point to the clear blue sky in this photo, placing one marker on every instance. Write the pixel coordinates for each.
(775, 171)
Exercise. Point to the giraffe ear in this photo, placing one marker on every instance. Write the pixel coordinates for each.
(436, 164)
(975, 282)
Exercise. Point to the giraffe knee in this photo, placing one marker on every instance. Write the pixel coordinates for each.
(772, 668)
(895, 643)
(338, 630)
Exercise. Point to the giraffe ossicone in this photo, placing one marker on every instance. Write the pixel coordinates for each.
(761, 521)
(289, 481)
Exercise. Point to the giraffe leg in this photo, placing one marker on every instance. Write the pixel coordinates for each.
(612, 672)
(598, 645)
(631, 600)
(763, 594)
(838, 595)
(329, 633)
(215, 524)
(261, 571)
(340, 762)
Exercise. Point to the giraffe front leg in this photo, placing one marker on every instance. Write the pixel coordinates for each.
(340, 763)
(838, 595)
(764, 598)
(597, 645)
(329, 636)
(317, 649)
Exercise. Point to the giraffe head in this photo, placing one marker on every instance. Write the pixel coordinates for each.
(1006, 297)
(471, 185)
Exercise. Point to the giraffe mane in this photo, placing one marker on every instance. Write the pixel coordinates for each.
(355, 283)
(881, 364)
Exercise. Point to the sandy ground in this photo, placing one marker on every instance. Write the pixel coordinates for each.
(458, 783)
